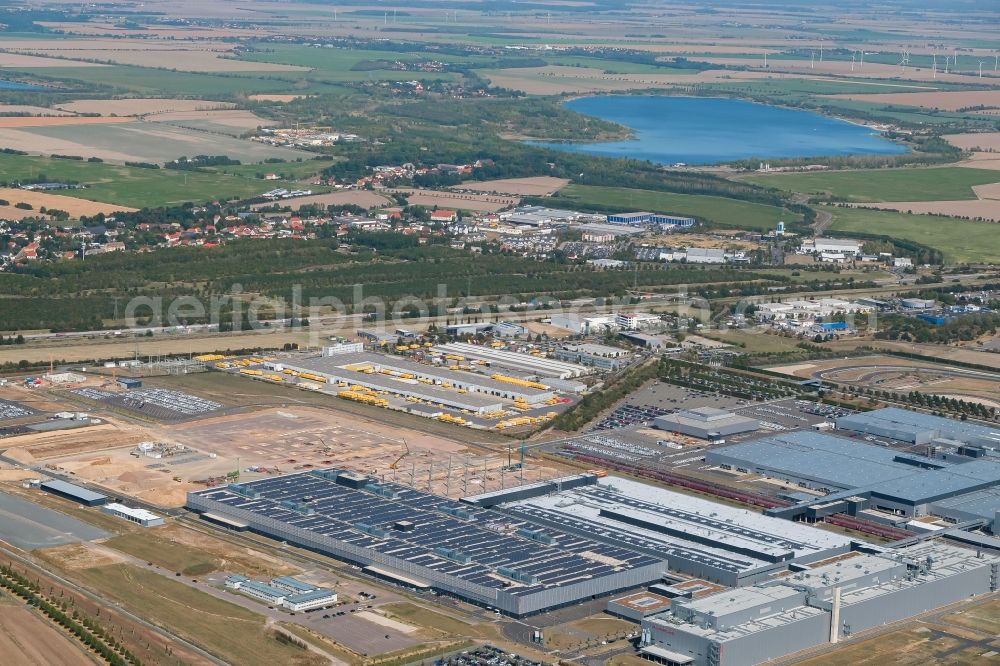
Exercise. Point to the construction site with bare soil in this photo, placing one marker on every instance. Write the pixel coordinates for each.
(159, 442)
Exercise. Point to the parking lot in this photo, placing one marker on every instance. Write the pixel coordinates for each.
(629, 415)
(486, 655)
(158, 403)
(671, 397)
(14, 410)
(791, 414)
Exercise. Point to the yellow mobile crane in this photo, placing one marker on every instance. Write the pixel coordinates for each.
(406, 452)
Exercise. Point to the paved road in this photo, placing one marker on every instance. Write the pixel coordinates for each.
(107, 604)
(29, 526)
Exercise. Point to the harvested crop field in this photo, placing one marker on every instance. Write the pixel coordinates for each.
(946, 101)
(275, 98)
(140, 106)
(136, 141)
(57, 121)
(233, 117)
(361, 198)
(555, 79)
(985, 141)
(185, 60)
(986, 209)
(7, 109)
(226, 121)
(539, 186)
(982, 161)
(75, 207)
(27, 640)
(475, 202)
(22, 60)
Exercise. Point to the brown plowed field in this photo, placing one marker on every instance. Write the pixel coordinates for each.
(28, 640)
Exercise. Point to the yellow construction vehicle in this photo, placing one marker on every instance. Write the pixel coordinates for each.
(406, 452)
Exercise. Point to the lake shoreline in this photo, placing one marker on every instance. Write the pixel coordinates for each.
(767, 131)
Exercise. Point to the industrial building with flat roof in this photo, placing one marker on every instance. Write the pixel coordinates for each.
(518, 566)
(637, 606)
(918, 428)
(697, 537)
(73, 492)
(137, 516)
(482, 394)
(285, 591)
(706, 423)
(858, 475)
(535, 365)
(815, 606)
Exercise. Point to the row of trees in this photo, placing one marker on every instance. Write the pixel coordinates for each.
(84, 629)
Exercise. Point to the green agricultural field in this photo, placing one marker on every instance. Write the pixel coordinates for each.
(338, 65)
(130, 186)
(936, 184)
(616, 66)
(287, 170)
(961, 241)
(719, 210)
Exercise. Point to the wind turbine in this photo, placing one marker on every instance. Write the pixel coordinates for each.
(854, 55)
(996, 60)
(981, 68)
(934, 68)
(765, 59)
(812, 60)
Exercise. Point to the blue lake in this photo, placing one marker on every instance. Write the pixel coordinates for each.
(707, 130)
(15, 85)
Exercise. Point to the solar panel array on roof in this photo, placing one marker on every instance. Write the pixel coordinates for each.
(698, 537)
(463, 549)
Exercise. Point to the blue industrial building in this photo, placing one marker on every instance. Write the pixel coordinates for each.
(918, 428)
(651, 218)
(857, 476)
(936, 319)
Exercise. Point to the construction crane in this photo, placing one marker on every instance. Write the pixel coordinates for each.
(406, 452)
